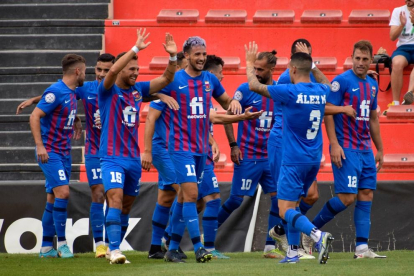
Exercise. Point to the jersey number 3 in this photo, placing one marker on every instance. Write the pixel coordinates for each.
(315, 118)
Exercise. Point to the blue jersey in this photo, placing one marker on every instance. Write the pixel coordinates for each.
(120, 119)
(275, 137)
(189, 126)
(303, 107)
(252, 135)
(161, 131)
(88, 93)
(59, 104)
(348, 89)
(210, 160)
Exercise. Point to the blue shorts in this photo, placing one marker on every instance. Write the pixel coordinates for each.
(93, 170)
(358, 172)
(250, 173)
(56, 170)
(405, 50)
(121, 173)
(165, 167)
(275, 161)
(295, 180)
(208, 184)
(188, 167)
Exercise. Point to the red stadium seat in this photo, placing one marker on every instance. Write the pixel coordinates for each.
(231, 63)
(282, 63)
(321, 16)
(348, 65)
(325, 63)
(274, 16)
(226, 16)
(401, 112)
(369, 16)
(178, 16)
(158, 63)
(399, 161)
(222, 161)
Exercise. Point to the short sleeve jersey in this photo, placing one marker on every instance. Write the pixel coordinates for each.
(88, 93)
(59, 104)
(120, 119)
(252, 135)
(303, 107)
(161, 124)
(190, 125)
(407, 35)
(348, 89)
(275, 137)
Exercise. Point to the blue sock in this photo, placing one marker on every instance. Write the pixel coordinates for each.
(210, 223)
(177, 227)
(274, 219)
(362, 219)
(304, 207)
(124, 225)
(328, 212)
(48, 227)
(106, 232)
(159, 223)
(60, 215)
(231, 204)
(191, 220)
(113, 228)
(97, 221)
(167, 233)
(298, 221)
(294, 235)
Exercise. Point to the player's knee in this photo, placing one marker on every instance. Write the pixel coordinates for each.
(166, 200)
(311, 198)
(398, 64)
(365, 195)
(190, 196)
(347, 199)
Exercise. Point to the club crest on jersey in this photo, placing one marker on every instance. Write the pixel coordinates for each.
(207, 85)
(137, 95)
(238, 96)
(374, 91)
(335, 86)
(50, 98)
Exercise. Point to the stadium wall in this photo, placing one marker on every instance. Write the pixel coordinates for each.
(21, 227)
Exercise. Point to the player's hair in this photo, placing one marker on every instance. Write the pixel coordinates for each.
(71, 59)
(106, 58)
(212, 62)
(270, 56)
(304, 41)
(180, 57)
(135, 57)
(363, 45)
(193, 41)
(302, 62)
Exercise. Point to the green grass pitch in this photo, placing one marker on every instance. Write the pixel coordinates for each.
(397, 263)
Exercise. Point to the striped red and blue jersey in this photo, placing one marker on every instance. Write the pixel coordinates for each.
(275, 137)
(120, 119)
(190, 125)
(88, 93)
(252, 135)
(59, 104)
(210, 160)
(303, 108)
(349, 89)
(161, 124)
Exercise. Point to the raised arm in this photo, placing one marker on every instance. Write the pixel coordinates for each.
(28, 103)
(35, 127)
(140, 44)
(159, 83)
(152, 117)
(376, 138)
(254, 84)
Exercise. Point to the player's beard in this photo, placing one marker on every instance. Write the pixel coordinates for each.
(262, 80)
(80, 82)
(194, 66)
(410, 4)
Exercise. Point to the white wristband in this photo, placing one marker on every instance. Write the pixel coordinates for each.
(174, 58)
(135, 49)
(313, 65)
